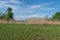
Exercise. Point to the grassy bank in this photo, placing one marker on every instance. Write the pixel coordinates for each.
(29, 32)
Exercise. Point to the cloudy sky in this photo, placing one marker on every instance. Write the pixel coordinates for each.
(23, 9)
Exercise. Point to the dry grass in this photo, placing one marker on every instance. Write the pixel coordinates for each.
(31, 22)
(43, 22)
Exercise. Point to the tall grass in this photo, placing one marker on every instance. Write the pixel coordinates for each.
(29, 32)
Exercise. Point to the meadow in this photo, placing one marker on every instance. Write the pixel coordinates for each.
(29, 32)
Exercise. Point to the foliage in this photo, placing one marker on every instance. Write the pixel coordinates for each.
(56, 16)
(3, 16)
(8, 15)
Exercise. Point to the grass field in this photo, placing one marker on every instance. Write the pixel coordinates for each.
(29, 32)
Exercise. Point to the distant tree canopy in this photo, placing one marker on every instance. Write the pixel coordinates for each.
(56, 16)
(8, 15)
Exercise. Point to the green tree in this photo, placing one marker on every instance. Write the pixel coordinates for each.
(10, 13)
(56, 16)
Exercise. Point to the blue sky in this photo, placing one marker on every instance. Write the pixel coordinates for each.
(23, 9)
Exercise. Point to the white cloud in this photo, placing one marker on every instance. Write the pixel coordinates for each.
(12, 0)
(46, 8)
(2, 5)
(20, 17)
(14, 7)
(37, 15)
(3, 2)
(37, 6)
(15, 1)
(23, 17)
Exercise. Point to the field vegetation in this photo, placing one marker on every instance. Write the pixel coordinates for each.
(29, 32)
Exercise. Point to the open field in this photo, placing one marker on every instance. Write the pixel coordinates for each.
(29, 32)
